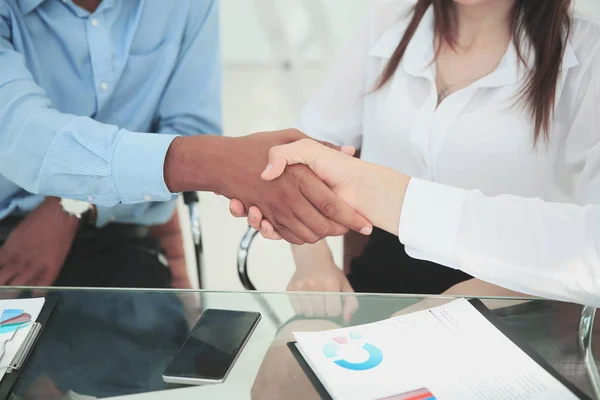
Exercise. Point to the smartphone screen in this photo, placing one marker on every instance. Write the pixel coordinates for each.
(213, 345)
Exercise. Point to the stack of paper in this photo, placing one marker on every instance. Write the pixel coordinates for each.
(448, 352)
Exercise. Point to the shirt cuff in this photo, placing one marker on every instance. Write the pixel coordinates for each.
(430, 219)
(138, 166)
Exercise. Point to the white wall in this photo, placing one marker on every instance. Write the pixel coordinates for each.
(589, 6)
(244, 38)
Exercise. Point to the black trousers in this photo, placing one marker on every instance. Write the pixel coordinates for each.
(113, 256)
(384, 267)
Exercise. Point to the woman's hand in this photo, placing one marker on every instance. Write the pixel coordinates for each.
(338, 170)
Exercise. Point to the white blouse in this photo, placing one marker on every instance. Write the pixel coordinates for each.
(477, 139)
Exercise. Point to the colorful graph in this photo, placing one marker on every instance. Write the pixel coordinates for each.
(12, 318)
(354, 340)
(420, 394)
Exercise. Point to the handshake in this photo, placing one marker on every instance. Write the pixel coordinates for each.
(290, 186)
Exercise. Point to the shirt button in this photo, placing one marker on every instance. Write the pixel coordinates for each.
(147, 198)
(94, 22)
(104, 86)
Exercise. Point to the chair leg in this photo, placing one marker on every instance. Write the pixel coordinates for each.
(196, 238)
(242, 258)
(242, 264)
(586, 325)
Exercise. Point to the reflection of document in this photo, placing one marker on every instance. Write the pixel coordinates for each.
(447, 352)
(16, 317)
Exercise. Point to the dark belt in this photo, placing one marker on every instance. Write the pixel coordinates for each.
(118, 231)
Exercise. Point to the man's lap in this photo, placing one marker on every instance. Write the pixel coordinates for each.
(115, 258)
(117, 255)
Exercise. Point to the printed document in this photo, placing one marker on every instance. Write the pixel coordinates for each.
(447, 352)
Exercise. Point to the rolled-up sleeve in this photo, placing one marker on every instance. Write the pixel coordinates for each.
(55, 154)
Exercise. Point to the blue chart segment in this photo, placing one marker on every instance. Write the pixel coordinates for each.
(10, 314)
(375, 358)
(11, 319)
(331, 351)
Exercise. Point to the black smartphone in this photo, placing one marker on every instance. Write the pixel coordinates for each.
(212, 347)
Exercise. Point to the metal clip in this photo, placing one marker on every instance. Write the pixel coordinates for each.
(24, 349)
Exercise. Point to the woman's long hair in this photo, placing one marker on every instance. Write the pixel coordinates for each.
(545, 22)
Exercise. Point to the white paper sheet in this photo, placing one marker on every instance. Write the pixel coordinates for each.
(450, 352)
(33, 307)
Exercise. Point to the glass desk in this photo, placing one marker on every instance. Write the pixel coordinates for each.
(109, 343)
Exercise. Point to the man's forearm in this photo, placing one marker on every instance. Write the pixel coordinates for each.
(194, 163)
(381, 195)
(58, 216)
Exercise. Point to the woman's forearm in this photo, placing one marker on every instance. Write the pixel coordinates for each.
(381, 194)
(307, 255)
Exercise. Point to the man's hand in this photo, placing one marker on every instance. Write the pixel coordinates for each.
(36, 249)
(322, 278)
(338, 170)
(299, 206)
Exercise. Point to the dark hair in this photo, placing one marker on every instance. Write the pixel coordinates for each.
(546, 23)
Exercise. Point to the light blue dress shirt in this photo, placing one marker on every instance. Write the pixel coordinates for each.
(81, 93)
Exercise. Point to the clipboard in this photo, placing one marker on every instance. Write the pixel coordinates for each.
(501, 326)
(18, 364)
(310, 374)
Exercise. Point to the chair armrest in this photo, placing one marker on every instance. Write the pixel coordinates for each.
(584, 336)
(190, 197)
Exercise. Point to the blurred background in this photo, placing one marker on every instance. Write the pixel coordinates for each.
(275, 54)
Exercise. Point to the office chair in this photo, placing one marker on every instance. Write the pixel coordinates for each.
(242, 265)
(192, 202)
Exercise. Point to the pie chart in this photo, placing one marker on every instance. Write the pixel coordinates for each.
(11, 319)
(333, 350)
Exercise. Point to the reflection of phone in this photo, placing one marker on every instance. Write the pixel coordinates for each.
(212, 347)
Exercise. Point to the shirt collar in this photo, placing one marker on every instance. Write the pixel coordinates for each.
(28, 6)
(420, 53)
